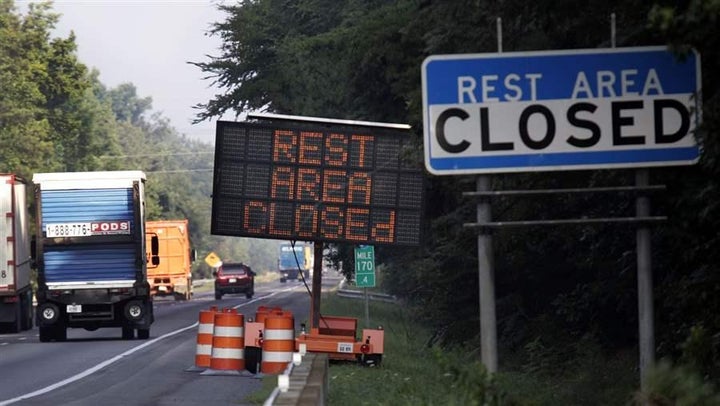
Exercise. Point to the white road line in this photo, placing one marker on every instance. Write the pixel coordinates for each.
(116, 358)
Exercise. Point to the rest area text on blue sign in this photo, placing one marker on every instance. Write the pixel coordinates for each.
(560, 110)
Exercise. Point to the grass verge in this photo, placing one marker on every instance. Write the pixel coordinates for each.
(413, 373)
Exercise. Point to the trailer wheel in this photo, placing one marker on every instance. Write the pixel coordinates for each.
(253, 357)
(143, 333)
(370, 360)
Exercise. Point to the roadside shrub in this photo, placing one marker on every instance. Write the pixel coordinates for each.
(670, 385)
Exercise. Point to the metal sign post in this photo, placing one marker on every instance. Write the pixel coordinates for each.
(316, 284)
(486, 279)
(365, 274)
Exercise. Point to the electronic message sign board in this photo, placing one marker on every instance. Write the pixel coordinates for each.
(316, 181)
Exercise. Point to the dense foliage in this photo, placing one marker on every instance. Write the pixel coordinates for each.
(55, 115)
(360, 59)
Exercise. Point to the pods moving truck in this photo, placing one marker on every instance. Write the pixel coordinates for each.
(173, 276)
(16, 311)
(91, 256)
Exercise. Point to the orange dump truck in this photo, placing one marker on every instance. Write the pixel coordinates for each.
(173, 275)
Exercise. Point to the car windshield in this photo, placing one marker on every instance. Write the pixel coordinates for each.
(233, 270)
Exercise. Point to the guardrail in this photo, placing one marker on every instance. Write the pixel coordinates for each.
(360, 294)
(304, 382)
(356, 294)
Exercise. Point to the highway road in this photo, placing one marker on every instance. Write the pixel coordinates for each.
(99, 368)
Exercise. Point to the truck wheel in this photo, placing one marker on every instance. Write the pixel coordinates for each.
(143, 333)
(282, 280)
(27, 309)
(49, 313)
(128, 333)
(57, 333)
(134, 310)
(17, 325)
(61, 333)
(46, 334)
(218, 295)
(249, 295)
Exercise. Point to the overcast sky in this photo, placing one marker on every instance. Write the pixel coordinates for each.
(148, 43)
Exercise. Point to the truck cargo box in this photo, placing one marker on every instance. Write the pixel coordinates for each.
(15, 256)
(90, 217)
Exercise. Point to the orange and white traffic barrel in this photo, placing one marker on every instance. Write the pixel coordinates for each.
(278, 342)
(203, 349)
(262, 312)
(228, 344)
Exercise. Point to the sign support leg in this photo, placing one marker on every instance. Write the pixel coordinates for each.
(367, 308)
(644, 280)
(316, 285)
(486, 279)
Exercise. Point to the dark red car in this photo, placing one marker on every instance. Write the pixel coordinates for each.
(234, 278)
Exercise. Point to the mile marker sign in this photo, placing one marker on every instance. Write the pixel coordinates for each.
(365, 266)
(560, 110)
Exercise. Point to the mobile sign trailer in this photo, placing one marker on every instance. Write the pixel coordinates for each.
(560, 110)
(316, 179)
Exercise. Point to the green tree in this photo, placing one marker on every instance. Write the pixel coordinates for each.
(51, 117)
(25, 131)
(690, 243)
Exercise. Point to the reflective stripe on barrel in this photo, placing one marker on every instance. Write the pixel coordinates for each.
(228, 341)
(278, 342)
(205, 338)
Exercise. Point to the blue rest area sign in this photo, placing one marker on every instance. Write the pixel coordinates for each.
(560, 110)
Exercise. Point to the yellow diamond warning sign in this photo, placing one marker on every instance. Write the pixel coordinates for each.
(213, 260)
